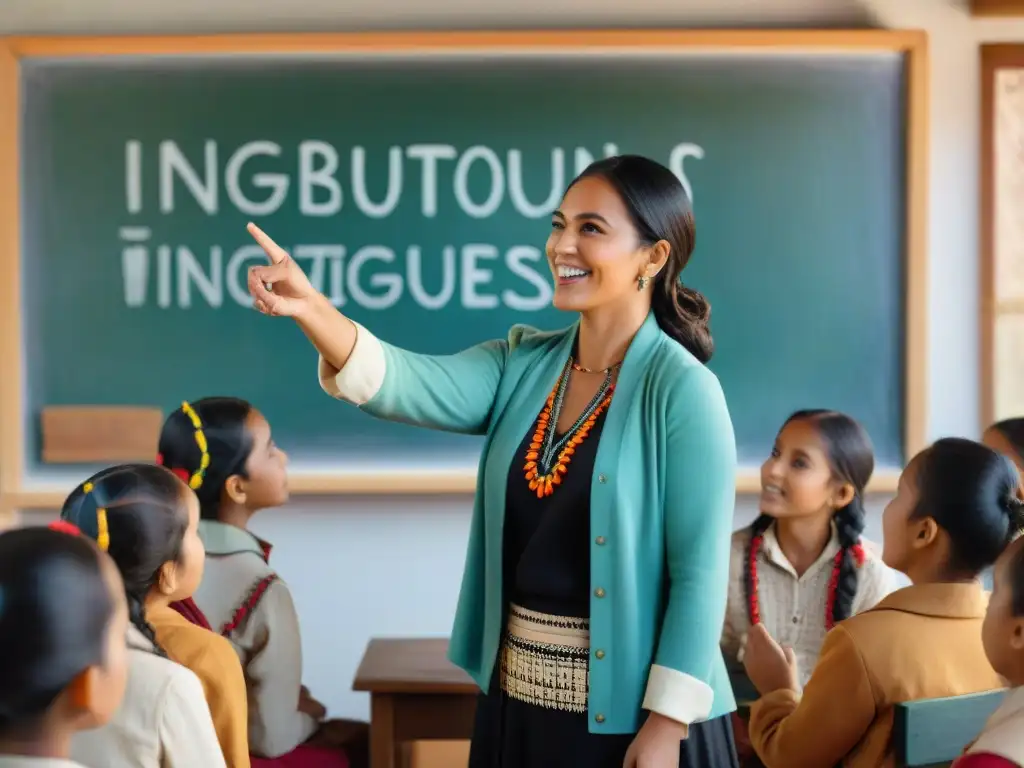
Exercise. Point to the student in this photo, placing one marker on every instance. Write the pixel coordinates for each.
(954, 513)
(147, 520)
(1001, 743)
(1007, 437)
(801, 567)
(63, 663)
(236, 470)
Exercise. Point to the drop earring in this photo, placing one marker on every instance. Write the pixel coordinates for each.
(641, 282)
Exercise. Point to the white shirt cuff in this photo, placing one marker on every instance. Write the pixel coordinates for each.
(363, 374)
(677, 695)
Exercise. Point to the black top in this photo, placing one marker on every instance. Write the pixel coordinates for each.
(547, 541)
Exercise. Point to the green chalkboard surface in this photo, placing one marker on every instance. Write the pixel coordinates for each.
(416, 191)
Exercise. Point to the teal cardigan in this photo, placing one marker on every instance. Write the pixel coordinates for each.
(663, 493)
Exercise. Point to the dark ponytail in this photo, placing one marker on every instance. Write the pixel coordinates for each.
(55, 610)
(142, 509)
(685, 315)
(660, 210)
(851, 459)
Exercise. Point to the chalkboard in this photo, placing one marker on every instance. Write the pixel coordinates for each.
(416, 190)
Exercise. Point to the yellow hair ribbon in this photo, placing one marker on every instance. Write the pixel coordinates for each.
(102, 529)
(196, 480)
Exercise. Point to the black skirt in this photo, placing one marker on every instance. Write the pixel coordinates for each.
(509, 733)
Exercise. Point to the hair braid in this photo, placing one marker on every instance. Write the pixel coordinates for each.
(849, 524)
(757, 529)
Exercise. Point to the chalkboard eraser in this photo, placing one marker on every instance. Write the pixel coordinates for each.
(86, 434)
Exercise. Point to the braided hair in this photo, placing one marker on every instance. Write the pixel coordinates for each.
(851, 459)
(138, 514)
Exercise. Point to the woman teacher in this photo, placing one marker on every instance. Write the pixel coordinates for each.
(595, 584)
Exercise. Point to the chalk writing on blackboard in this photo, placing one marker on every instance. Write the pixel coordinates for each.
(373, 276)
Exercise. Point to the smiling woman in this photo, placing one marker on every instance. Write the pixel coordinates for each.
(607, 483)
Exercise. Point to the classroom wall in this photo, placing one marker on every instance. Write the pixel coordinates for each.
(391, 565)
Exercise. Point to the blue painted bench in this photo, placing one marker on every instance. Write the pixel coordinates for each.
(933, 732)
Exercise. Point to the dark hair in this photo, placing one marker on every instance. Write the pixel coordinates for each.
(144, 509)
(228, 440)
(851, 458)
(55, 609)
(1013, 431)
(971, 492)
(660, 210)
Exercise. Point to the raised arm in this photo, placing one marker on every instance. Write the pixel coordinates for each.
(447, 392)
(454, 393)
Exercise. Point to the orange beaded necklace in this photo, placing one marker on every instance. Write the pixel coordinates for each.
(547, 460)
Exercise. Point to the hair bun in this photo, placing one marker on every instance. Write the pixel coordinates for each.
(1014, 506)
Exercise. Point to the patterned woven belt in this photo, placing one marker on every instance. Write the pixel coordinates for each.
(545, 660)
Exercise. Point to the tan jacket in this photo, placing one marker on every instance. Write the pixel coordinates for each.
(214, 662)
(920, 642)
(162, 722)
(266, 639)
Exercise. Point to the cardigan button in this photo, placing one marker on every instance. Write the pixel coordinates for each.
(599, 717)
(599, 541)
(602, 479)
(599, 654)
(599, 592)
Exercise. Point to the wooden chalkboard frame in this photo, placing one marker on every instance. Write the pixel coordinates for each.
(994, 57)
(913, 44)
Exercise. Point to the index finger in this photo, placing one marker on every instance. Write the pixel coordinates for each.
(274, 252)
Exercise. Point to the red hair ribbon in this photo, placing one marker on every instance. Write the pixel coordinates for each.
(182, 473)
(63, 526)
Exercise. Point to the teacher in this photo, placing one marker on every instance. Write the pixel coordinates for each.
(594, 590)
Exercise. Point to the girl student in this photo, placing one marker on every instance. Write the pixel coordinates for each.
(801, 566)
(63, 663)
(1001, 742)
(147, 520)
(955, 511)
(236, 470)
(1007, 437)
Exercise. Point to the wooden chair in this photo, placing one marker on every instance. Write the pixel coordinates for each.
(933, 732)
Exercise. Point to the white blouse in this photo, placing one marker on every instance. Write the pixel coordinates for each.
(793, 607)
(163, 721)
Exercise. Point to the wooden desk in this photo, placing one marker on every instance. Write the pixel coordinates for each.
(416, 694)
